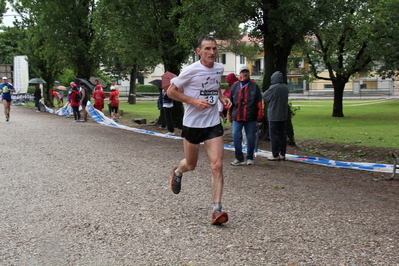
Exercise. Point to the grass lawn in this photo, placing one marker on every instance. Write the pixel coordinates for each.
(371, 123)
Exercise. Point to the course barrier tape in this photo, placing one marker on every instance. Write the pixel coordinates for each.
(100, 118)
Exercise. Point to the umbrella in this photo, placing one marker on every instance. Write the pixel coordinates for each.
(100, 81)
(88, 84)
(37, 80)
(156, 82)
(61, 88)
(166, 77)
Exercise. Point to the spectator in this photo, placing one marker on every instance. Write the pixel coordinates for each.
(167, 105)
(85, 98)
(74, 101)
(246, 112)
(58, 97)
(70, 90)
(99, 97)
(277, 113)
(114, 101)
(37, 95)
(161, 119)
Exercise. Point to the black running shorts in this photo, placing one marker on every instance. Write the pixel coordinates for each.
(198, 135)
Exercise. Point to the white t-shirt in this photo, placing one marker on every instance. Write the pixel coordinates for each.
(200, 82)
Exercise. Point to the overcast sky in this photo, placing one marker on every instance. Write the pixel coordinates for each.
(8, 17)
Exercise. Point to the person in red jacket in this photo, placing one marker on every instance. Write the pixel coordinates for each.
(99, 97)
(246, 112)
(114, 101)
(75, 98)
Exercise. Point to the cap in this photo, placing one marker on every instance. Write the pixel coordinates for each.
(98, 86)
(113, 79)
(244, 68)
(74, 85)
(4, 77)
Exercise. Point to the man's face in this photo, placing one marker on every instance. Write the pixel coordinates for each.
(208, 53)
(244, 75)
(4, 81)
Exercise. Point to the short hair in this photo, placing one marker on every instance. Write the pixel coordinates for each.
(205, 38)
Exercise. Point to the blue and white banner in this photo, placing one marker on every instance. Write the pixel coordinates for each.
(100, 118)
(65, 111)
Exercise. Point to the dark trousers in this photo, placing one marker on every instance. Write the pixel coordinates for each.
(37, 104)
(278, 138)
(162, 118)
(169, 119)
(76, 112)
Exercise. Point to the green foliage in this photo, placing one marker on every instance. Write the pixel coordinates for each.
(387, 28)
(9, 45)
(66, 77)
(147, 88)
(224, 86)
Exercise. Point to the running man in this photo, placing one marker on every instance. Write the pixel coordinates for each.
(6, 89)
(201, 123)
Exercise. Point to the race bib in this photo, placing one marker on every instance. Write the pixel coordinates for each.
(211, 96)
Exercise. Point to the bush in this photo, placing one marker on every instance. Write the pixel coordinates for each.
(146, 88)
(224, 86)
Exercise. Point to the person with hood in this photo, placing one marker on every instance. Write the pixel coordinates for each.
(277, 112)
(75, 98)
(246, 112)
(99, 97)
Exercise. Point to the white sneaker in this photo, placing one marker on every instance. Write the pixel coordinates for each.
(170, 133)
(250, 162)
(237, 162)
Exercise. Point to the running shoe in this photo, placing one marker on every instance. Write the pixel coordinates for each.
(250, 162)
(219, 217)
(282, 158)
(237, 162)
(175, 181)
(7, 118)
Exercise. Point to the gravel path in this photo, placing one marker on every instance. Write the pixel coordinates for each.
(86, 194)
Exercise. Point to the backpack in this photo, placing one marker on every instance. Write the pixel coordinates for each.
(78, 97)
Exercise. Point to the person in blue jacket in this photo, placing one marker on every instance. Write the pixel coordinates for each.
(6, 89)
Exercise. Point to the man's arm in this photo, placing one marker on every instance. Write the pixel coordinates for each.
(174, 93)
(224, 100)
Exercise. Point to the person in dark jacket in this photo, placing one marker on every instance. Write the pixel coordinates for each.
(246, 112)
(37, 95)
(277, 112)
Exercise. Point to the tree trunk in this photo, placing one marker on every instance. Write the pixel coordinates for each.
(338, 97)
(132, 83)
(290, 128)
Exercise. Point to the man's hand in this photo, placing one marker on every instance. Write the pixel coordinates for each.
(201, 104)
(226, 102)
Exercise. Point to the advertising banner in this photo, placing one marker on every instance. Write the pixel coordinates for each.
(21, 74)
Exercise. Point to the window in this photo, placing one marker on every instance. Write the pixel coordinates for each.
(223, 59)
(242, 60)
